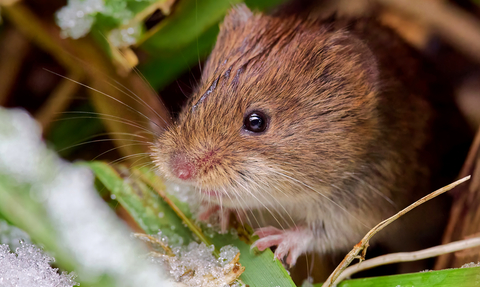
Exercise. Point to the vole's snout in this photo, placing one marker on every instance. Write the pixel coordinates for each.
(192, 168)
(182, 167)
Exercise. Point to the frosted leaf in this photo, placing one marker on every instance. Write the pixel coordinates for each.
(73, 207)
(195, 265)
(77, 18)
(174, 240)
(118, 9)
(471, 264)
(227, 253)
(184, 193)
(30, 266)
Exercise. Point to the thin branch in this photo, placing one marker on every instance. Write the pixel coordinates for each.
(363, 244)
(59, 100)
(13, 50)
(409, 256)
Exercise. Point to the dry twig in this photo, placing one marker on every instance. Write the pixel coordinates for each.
(155, 241)
(464, 215)
(59, 100)
(13, 50)
(409, 256)
(363, 244)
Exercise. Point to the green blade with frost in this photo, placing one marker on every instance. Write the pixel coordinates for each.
(144, 205)
(260, 267)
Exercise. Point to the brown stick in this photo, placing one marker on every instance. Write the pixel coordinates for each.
(58, 101)
(13, 50)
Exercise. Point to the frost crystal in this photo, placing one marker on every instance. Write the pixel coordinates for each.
(184, 193)
(11, 235)
(124, 37)
(470, 265)
(29, 266)
(195, 265)
(78, 16)
(227, 253)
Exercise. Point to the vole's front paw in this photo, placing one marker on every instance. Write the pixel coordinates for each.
(292, 242)
(220, 215)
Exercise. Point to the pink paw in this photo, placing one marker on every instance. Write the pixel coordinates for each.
(221, 216)
(292, 242)
(205, 214)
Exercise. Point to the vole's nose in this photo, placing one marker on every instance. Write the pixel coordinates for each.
(182, 167)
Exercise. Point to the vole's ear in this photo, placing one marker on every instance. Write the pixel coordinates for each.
(237, 16)
(232, 31)
(357, 57)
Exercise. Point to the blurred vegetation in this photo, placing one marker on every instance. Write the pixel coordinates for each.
(97, 101)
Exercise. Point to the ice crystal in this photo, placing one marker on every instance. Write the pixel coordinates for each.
(194, 265)
(30, 266)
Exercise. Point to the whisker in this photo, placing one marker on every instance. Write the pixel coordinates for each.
(374, 189)
(139, 100)
(145, 81)
(128, 156)
(324, 196)
(239, 199)
(123, 121)
(112, 149)
(139, 74)
(281, 205)
(112, 79)
(105, 140)
(239, 217)
(264, 206)
(275, 199)
(105, 94)
(103, 116)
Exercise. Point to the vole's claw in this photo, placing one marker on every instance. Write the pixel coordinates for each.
(267, 231)
(222, 216)
(205, 215)
(291, 242)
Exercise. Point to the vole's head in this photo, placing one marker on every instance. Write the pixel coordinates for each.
(285, 110)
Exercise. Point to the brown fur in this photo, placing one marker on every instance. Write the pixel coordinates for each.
(348, 119)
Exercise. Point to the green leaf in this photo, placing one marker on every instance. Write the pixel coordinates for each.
(167, 66)
(18, 208)
(72, 128)
(462, 277)
(189, 20)
(263, 5)
(144, 205)
(260, 267)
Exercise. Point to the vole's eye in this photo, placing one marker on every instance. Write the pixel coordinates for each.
(256, 122)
